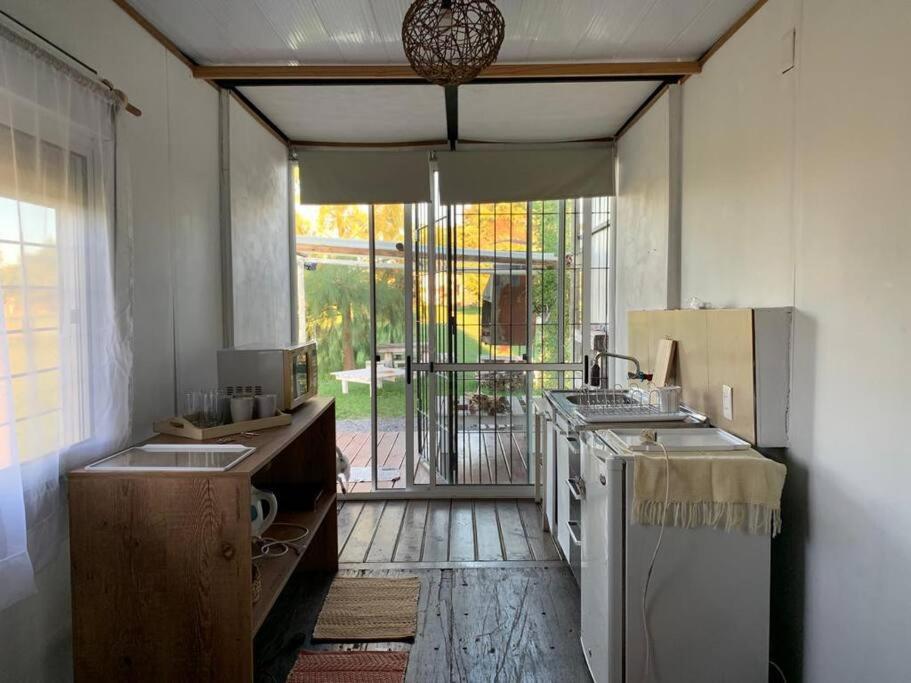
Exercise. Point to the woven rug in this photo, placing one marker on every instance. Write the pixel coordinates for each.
(349, 667)
(359, 609)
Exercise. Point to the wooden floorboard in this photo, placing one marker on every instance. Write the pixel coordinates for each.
(515, 543)
(411, 540)
(498, 624)
(487, 531)
(540, 542)
(387, 532)
(442, 531)
(361, 537)
(461, 532)
(347, 517)
(436, 536)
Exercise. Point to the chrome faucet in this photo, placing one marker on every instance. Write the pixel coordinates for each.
(639, 375)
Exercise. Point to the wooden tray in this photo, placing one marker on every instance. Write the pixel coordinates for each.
(179, 426)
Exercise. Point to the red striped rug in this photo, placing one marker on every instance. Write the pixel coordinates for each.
(349, 667)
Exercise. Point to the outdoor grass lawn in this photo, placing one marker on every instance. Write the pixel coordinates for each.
(355, 405)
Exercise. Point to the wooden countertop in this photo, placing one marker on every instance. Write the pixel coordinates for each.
(268, 443)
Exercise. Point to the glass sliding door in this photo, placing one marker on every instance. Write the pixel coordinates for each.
(438, 325)
(354, 296)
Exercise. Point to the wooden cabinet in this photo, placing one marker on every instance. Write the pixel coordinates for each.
(161, 561)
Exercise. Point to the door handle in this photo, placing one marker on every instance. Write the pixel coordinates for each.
(576, 487)
(408, 369)
(571, 526)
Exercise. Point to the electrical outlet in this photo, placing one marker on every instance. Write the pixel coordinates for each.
(727, 402)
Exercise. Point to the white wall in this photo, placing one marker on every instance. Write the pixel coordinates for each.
(738, 136)
(795, 191)
(260, 239)
(853, 283)
(174, 153)
(644, 221)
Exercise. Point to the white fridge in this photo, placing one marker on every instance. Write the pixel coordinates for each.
(708, 601)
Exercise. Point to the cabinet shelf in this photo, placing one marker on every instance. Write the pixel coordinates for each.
(276, 571)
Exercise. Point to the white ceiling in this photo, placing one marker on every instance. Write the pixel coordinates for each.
(533, 112)
(547, 112)
(369, 31)
(356, 113)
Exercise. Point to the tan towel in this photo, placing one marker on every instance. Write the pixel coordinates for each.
(723, 490)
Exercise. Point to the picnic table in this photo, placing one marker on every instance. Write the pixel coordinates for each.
(393, 354)
(362, 376)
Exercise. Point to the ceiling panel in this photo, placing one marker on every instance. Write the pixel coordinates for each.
(369, 31)
(341, 113)
(547, 112)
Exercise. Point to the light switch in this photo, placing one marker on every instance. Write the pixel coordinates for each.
(727, 402)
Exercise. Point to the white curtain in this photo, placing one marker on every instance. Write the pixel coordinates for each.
(65, 326)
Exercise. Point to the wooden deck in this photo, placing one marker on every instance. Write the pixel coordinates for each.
(486, 457)
(440, 532)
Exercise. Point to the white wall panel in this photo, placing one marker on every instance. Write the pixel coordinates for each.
(738, 130)
(643, 211)
(259, 233)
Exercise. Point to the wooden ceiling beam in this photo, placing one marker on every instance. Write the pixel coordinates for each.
(227, 72)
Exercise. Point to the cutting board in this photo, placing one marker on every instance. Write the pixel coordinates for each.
(664, 362)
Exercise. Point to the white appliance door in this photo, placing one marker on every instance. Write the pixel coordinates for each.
(563, 456)
(550, 475)
(602, 564)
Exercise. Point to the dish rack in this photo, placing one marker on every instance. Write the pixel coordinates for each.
(635, 405)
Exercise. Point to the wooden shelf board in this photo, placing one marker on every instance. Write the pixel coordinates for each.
(276, 572)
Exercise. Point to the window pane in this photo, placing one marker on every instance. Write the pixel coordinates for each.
(46, 349)
(43, 308)
(13, 308)
(36, 394)
(41, 266)
(10, 264)
(38, 436)
(9, 220)
(43, 346)
(39, 223)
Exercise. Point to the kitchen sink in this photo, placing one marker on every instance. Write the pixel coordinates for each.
(614, 405)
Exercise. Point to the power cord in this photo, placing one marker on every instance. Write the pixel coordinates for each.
(780, 672)
(276, 547)
(651, 436)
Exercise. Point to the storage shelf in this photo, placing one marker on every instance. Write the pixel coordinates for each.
(275, 572)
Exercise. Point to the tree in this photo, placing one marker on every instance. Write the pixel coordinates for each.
(337, 296)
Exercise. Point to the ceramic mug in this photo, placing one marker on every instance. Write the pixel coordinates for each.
(261, 519)
(241, 408)
(265, 405)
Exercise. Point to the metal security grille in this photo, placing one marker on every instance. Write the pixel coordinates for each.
(500, 316)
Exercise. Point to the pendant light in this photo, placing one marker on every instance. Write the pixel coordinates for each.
(450, 42)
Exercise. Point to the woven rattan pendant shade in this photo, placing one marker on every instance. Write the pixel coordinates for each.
(450, 42)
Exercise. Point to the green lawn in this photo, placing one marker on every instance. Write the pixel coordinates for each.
(355, 405)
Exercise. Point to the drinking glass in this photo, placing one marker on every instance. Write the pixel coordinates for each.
(192, 406)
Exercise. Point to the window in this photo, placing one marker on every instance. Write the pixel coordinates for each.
(43, 284)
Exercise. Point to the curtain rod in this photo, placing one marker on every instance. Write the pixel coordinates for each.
(92, 73)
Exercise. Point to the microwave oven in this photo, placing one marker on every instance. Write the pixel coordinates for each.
(289, 372)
